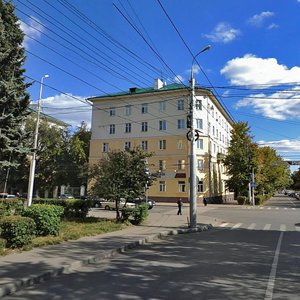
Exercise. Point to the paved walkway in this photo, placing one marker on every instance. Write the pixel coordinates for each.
(23, 269)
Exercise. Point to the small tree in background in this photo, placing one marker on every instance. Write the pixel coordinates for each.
(240, 159)
(120, 174)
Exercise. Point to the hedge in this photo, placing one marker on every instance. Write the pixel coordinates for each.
(17, 230)
(139, 214)
(46, 217)
(73, 208)
(11, 207)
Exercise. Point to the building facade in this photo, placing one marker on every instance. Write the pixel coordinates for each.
(157, 120)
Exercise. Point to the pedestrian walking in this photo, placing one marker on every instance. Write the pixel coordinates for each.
(179, 204)
(204, 201)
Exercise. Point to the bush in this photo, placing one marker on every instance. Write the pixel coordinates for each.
(139, 214)
(46, 218)
(17, 231)
(11, 207)
(73, 208)
(260, 199)
(241, 200)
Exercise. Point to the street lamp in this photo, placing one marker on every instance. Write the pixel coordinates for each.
(193, 191)
(36, 133)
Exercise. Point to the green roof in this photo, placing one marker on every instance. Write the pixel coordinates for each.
(135, 90)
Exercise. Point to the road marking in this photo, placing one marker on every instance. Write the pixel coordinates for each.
(277, 208)
(285, 208)
(293, 208)
(282, 227)
(261, 207)
(237, 226)
(252, 226)
(269, 208)
(271, 282)
(223, 224)
(297, 228)
(267, 227)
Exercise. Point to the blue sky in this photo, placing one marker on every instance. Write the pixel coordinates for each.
(91, 48)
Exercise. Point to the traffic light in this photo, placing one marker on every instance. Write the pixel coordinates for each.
(188, 121)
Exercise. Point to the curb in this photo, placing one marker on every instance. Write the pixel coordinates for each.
(11, 288)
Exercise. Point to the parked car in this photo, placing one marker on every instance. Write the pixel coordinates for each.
(7, 196)
(140, 200)
(111, 205)
(66, 196)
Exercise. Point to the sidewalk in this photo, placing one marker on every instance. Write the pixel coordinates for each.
(20, 270)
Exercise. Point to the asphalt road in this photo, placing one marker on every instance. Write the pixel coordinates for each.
(253, 254)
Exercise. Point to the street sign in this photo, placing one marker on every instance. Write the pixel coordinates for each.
(253, 184)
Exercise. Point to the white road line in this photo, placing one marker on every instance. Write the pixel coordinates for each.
(237, 225)
(293, 208)
(269, 208)
(297, 228)
(261, 207)
(285, 208)
(293, 202)
(277, 208)
(282, 227)
(272, 276)
(267, 227)
(252, 226)
(223, 224)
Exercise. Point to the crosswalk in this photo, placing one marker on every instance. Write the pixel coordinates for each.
(268, 208)
(255, 226)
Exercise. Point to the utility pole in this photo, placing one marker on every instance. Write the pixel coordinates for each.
(193, 190)
(36, 134)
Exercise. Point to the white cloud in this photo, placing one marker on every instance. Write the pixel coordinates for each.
(258, 20)
(68, 108)
(223, 33)
(272, 26)
(280, 105)
(251, 70)
(33, 29)
(179, 79)
(283, 146)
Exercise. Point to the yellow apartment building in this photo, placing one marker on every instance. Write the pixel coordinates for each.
(156, 119)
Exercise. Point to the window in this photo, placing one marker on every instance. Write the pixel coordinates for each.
(200, 164)
(179, 144)
(213, 130)
(112, 111)
(128, 127)
(180, 124)
(162, 105)
(127, 145)
(200, 186)
(162, 145)
(162, 165)
(181, 186)
(144, 145)
(127, 110)
(214, 148)
(144, 108)
(162, 125)
(199, 123)
(181, 164)
(180, 104)
(162, 186)
(112, 129)
(144, 126)
(200, 144)
(199, 104)
(105, 147)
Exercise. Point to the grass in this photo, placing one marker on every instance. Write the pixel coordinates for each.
(71, 230)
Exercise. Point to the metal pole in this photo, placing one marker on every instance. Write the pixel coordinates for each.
(253, 200)
(193, 183)
(33, 159)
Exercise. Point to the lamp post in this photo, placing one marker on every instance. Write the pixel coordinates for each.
(193, 191)
(33, 159)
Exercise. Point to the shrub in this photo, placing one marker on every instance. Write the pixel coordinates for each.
(139, 214)
(17, 230)
(241, 200)
(73, 208)
(46, 217)
(260, 199)
(11, 207)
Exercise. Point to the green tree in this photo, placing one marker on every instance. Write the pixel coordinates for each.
(120, 174)
(272, 172)
(14, 99)
(240, 159)
(295, 180)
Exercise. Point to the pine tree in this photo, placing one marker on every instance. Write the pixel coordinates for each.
(14, 99)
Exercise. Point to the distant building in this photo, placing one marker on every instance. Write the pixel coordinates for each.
(156, 120)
